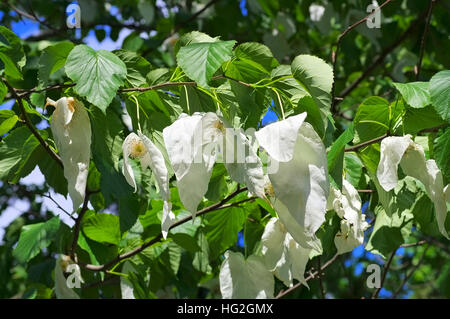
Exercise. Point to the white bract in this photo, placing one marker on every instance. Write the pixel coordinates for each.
(142, 148)
(245, 278)
(402, 150)
(71, 130)
(62, 289)
(194, 144)
(282, 254)
(347, 204)
(300, 186)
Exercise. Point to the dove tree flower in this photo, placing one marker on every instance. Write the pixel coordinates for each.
(195, 142)
(282, 254)
(62, 287)
(347, 204)
(140, 147)
(402, 150)
(300, 183)
(71, 130)
(245, 278)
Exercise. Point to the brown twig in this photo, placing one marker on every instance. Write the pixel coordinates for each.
(30, 125)
(319, 276)
(405, 280)
(386, 269)
(312, 275)
(377, 61)
(216, 206)
(77, 227)
(372, 141)
(194, 16)
(418, 67)
(336, 52)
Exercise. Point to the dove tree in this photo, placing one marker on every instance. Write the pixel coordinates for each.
(180, 187)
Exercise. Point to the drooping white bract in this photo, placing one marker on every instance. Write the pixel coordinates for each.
(71, 130)
(347, 204)
(240, 159)
(126, 287)
(391, 152)
(282, 254)
(300, 184)
(142, 148)
(194, 143)
(245, 278)
(183, 145)
(411, 157)
(62, 290)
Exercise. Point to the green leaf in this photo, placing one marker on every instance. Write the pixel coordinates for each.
(11, 53)
(316, 76)
(416, 94)
(387, 233)
(254, 61)
(336, 155)
(201, 60)
(440, 93)
(442, 155)
(193, 100)
(15, 149)
(52, 59)
(416, 120)
(372, 119)
(3, 91)
(98, 74)
(102, 228)
(222, 228)
(193, 37)
(106, 151)
(129, 207)
(147, 10)
(307, 104)
(353, 168)
(8, 123)
(137, 67)
(35, 237)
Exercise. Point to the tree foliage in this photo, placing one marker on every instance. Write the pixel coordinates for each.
(143, 139)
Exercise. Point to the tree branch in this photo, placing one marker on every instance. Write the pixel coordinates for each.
(334, 100)
(216, 206)
(77, 227)
(386, 269)
(195, 15)
(381, 57)
(30, 125)
(283, 293)
(405, 280)
(372, 141)
(423, 40)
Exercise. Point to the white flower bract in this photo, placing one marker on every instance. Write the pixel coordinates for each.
(282, 254)
(142, 148)
(300, 185)
(71, 129)
(402, 150)
(245, 278)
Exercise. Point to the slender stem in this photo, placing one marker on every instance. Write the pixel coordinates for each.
(319, 276)
(377, 61)
(77, 227)
(216, 206)
(405, 280)
(372, 141)
(386, 269)
(30, 125)
(311, 276)
(336, 51)
(418, 67)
